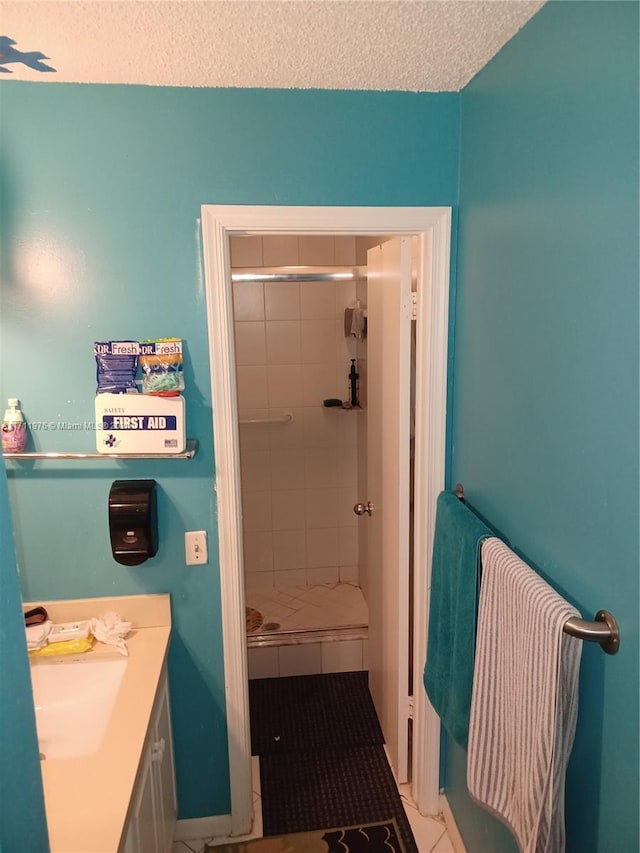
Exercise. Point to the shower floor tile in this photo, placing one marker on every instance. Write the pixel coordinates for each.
(316, 607)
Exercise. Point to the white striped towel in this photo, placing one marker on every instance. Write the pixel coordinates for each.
(525, 701)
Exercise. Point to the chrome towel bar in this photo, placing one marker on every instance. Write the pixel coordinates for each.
(604, 630)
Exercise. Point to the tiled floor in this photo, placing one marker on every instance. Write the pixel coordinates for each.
(430, 833)
(318, 607)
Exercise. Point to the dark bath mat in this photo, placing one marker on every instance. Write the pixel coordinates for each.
(370, 838)
(312, 711)
(308, 790)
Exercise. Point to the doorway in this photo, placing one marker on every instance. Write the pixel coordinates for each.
(431, 228)
(321, 437)
(300, 427)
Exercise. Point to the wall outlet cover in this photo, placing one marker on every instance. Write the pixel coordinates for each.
(195, 547)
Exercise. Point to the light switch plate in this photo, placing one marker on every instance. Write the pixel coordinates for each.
(195, 547)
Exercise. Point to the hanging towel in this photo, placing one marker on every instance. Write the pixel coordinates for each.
(448, 673)
(355, 321)
(525, 701)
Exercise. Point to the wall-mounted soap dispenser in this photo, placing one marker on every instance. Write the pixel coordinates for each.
(133, 521)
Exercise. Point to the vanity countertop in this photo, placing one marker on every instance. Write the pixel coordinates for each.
(87, 798)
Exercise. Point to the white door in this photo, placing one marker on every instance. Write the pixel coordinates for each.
(388, 402)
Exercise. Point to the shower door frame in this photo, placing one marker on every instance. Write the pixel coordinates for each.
(432, 227)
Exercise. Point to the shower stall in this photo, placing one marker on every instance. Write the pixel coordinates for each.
(302, 461)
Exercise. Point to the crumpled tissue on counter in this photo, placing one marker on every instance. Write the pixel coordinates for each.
(112, 630)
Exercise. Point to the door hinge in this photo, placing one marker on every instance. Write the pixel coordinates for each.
(414, 305)
(410, 707)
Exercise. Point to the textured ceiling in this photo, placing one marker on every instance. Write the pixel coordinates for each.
(411, 45)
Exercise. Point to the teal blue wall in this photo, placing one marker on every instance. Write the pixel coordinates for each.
(545, 409)
(101, 188)
(22, 818)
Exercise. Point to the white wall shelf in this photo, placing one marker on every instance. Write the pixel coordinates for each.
(189, 453)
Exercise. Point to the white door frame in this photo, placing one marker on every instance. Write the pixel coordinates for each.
(432, 226)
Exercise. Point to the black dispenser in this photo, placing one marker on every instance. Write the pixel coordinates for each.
(353, 384)
(133, 521)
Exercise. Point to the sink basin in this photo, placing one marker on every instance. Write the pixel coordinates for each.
(73, 702)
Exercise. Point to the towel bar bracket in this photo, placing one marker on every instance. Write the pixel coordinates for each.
(604, 631)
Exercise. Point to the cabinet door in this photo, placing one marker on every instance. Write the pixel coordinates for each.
(164, 776)
(143, 820)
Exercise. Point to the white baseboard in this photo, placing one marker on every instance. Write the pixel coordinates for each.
(218, 826)
(452, 827)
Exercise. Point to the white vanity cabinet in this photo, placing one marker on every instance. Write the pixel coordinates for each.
(152, 817)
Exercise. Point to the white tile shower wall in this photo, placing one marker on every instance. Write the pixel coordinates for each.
(299, 480)
(288, 250)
